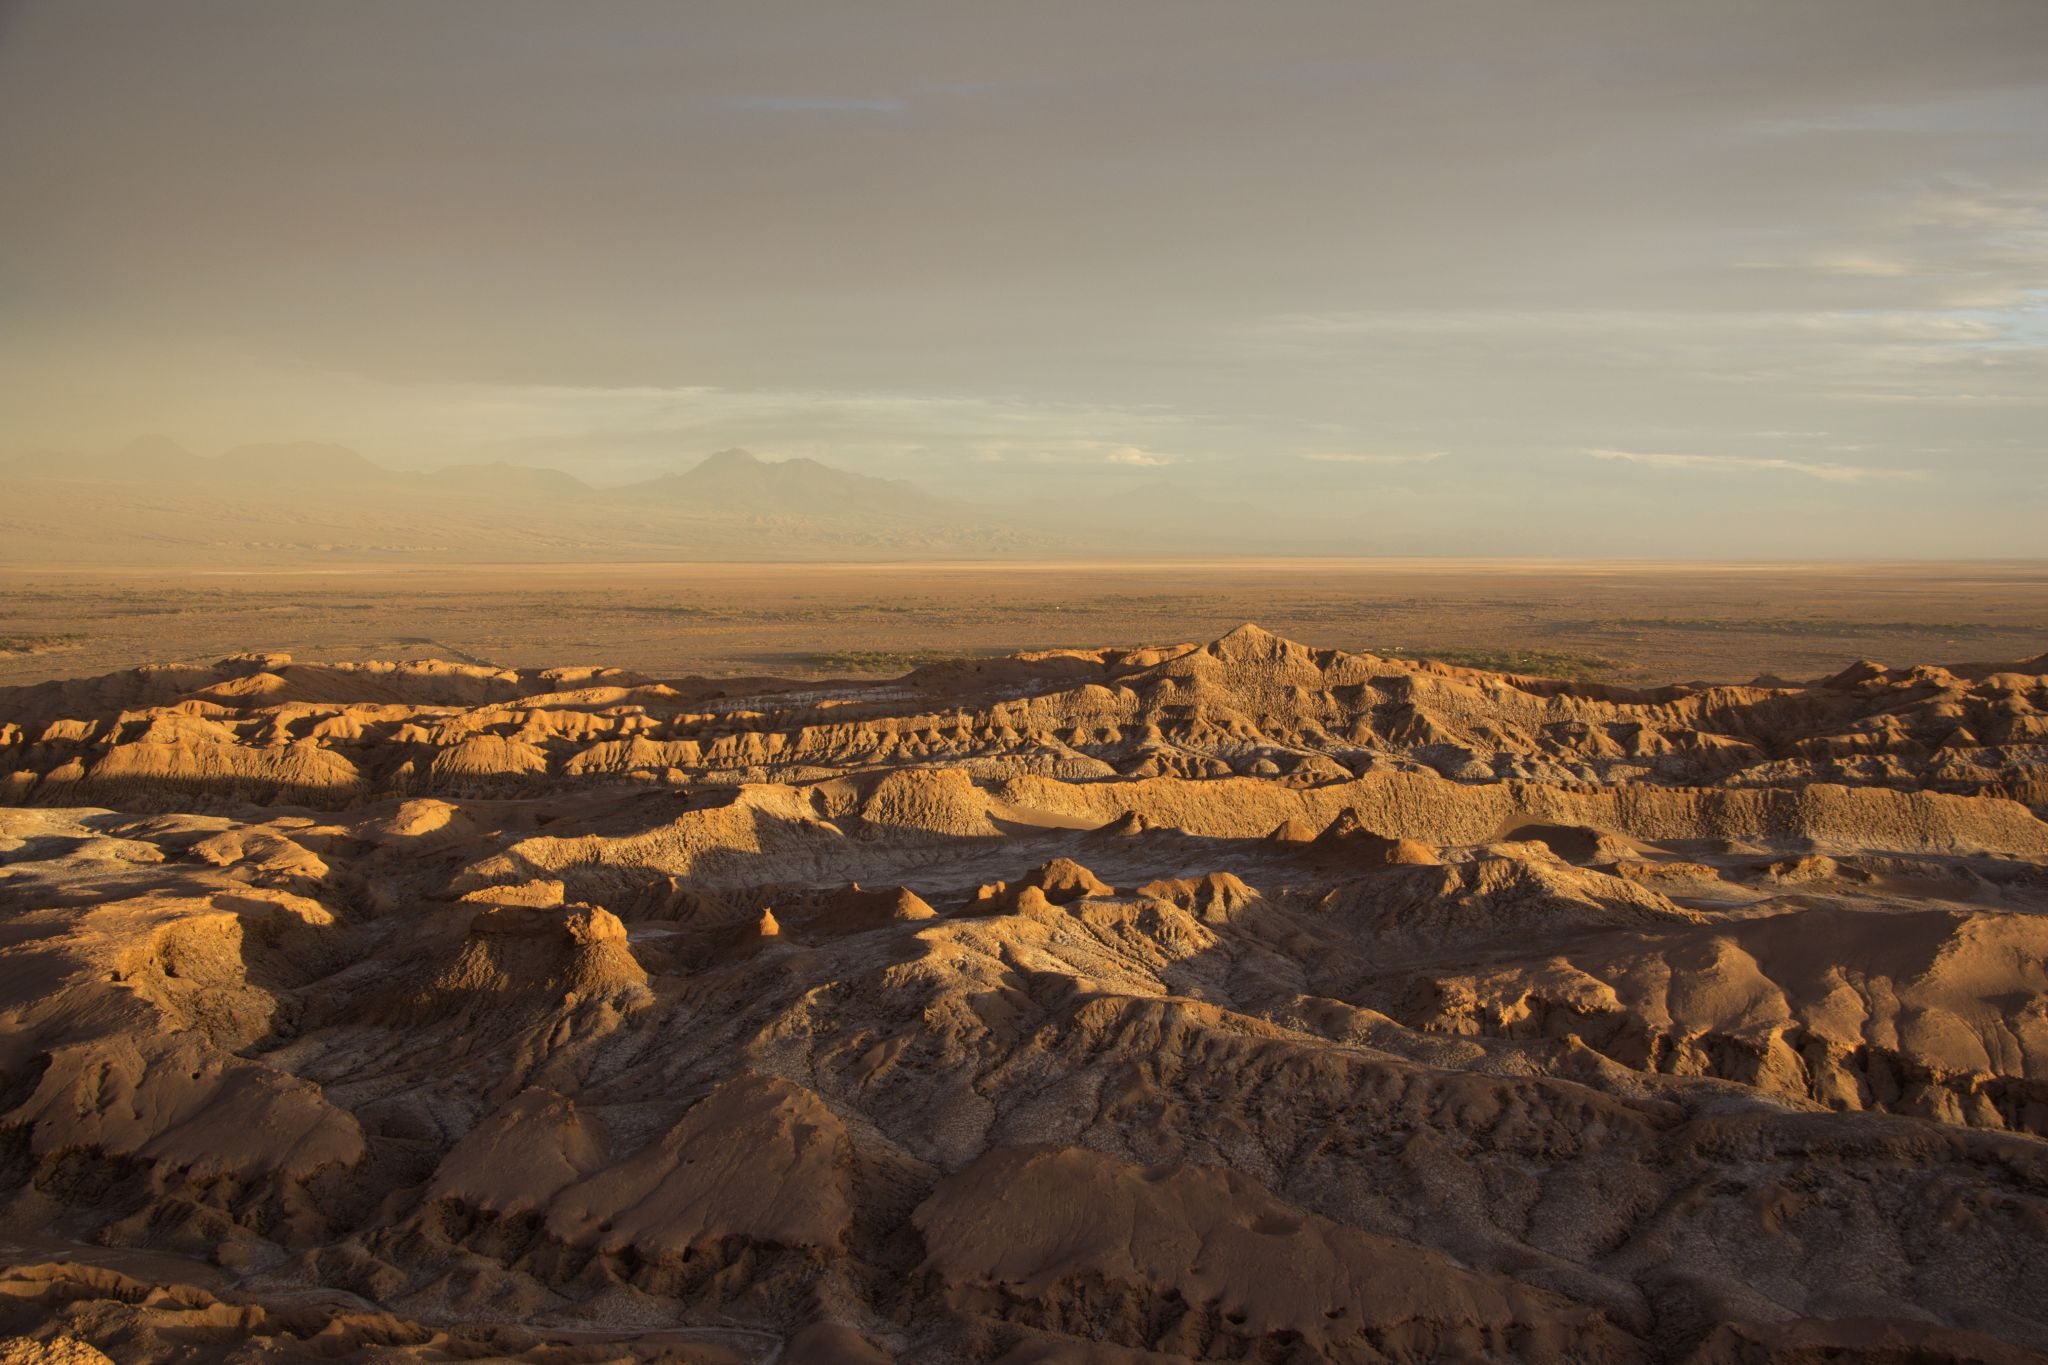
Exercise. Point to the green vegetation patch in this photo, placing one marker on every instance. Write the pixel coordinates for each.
(1535, 663)
(1795, 626)
(881, 660)
(36, 644)
(659, 609)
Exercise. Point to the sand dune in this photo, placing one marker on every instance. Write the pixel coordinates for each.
(1235, 1001)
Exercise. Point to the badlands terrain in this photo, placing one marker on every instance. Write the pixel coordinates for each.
(1237, 1001)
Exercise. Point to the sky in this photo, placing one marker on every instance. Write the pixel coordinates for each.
(1473, 276)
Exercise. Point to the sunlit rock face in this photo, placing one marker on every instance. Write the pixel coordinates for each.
(1242, 1001)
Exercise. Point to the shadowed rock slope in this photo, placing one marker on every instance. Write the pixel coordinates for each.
(1240, 1002)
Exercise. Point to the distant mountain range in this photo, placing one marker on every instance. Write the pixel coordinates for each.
(153, 501)
(734, 482)
(738, 483)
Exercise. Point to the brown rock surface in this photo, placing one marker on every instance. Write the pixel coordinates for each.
(1238, 1002)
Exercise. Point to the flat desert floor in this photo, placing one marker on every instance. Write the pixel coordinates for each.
(1616, 621)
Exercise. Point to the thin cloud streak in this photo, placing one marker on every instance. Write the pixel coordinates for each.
(1350, 457)
(1826, 471)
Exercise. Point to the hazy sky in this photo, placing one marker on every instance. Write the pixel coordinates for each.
(1711, 276)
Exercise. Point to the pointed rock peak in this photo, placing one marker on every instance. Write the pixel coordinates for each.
(1064, 880)
(1293, 831)
(1250, 635)
(1215, 896)
(767, 926)
(906, 904)
(1347, 825)
(1409, 853)
(1128, 824)
(1251, 644)
(1032, 901)
(733, 458)
(1858, 673)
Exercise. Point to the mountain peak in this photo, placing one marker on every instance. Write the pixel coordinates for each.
(737, 482)
(731, 458)
(1250, 641)
(1249, 645)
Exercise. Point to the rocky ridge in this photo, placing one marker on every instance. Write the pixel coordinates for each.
(1243, 1001)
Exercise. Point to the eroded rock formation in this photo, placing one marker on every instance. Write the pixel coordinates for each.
(1235, 1002)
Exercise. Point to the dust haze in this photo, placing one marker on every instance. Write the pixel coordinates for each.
(914, 684)
(1745, 279)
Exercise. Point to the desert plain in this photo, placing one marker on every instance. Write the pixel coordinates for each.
(1025, 962)
(1641, 621)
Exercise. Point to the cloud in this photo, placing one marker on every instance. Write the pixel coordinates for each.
(1857, 263)
(1137, 455)
(991, 259)
(1695, 329)
(1354, 457)
(2007, 400)
(1054, 448)
(1826, 471)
